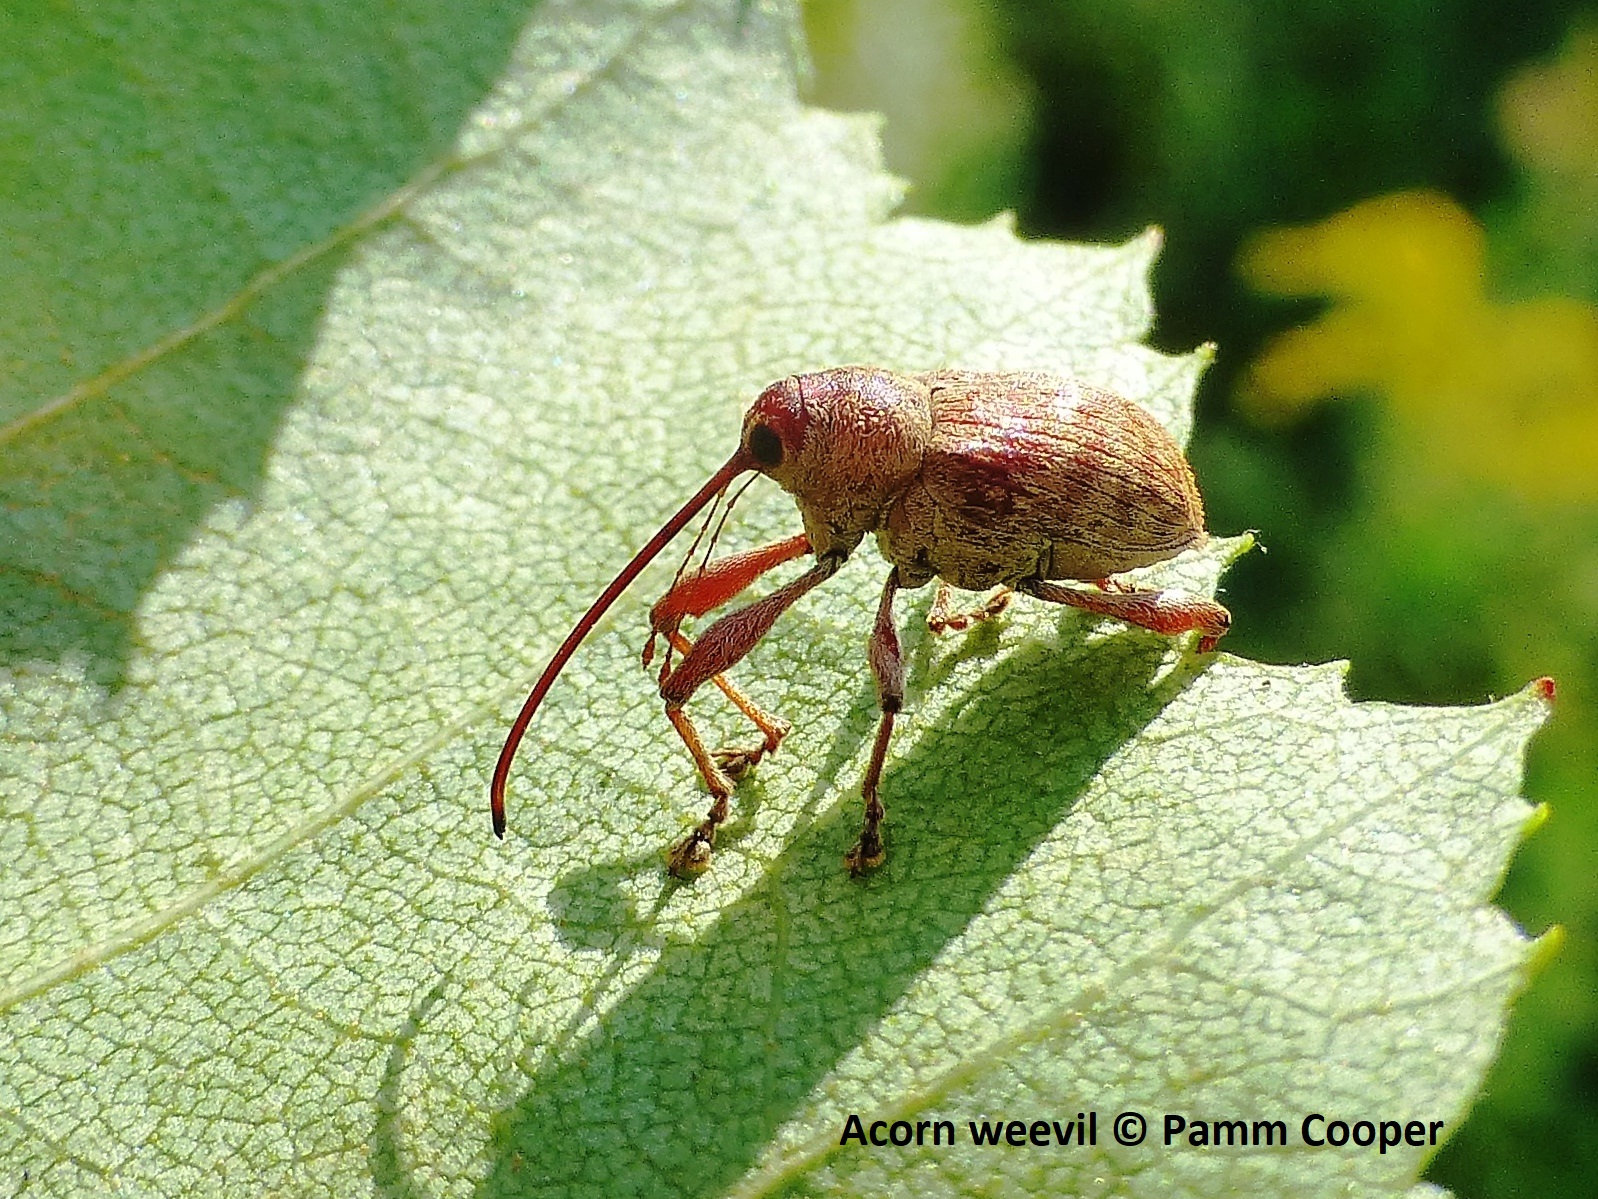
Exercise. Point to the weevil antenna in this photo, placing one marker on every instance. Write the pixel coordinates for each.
(704, 527)
(717, 483)
(682, 569)
(722, 522)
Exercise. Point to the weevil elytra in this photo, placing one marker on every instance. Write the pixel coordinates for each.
(982, 480)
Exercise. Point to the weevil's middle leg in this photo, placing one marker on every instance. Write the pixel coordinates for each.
(941, 617)
(887, 664)
(1168, 612)
(718, 649)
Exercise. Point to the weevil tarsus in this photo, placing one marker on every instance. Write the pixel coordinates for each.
(773, 728)
(942, 618)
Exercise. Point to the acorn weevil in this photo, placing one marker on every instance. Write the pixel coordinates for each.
(1008, 480)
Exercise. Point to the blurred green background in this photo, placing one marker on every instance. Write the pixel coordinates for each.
(1386, 215)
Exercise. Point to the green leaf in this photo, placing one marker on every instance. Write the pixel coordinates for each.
(257, 936)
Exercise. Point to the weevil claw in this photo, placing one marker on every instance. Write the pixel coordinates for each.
(690, 857)
(735, 763)
(866, 855)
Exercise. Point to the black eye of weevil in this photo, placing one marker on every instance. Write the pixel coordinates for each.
(765, 447)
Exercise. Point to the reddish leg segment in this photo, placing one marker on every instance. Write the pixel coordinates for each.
(1168, 612)
(888, 666)
(718, 649)
(716, 583)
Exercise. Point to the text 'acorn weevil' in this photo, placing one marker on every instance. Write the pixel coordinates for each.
(977, 479)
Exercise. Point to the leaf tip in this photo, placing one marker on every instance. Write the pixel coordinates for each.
(1233, 548)
(1544, 950)
(1004, 222)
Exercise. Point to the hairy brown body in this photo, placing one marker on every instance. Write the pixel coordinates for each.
(1031, 476)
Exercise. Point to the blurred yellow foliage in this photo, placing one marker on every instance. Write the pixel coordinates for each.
(1507, 393)
(1548, 115)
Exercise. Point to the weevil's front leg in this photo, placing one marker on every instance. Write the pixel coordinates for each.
(718, 649)
(711, 586)
(941, 617)
(1168, 612)
(773, 728)
(888, 666)
(714, 584)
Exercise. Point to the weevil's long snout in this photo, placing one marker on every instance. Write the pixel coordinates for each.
(731, 469)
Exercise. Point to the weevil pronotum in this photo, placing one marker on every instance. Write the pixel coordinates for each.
(981, 480)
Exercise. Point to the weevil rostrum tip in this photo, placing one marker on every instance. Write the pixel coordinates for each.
(986, 481)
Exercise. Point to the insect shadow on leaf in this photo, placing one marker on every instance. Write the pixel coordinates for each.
(683, 1084)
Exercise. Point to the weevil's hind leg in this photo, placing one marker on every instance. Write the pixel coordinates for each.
(1168, 612)
(735, 763)
(718, 649)
(942, 618)
(887, 664)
